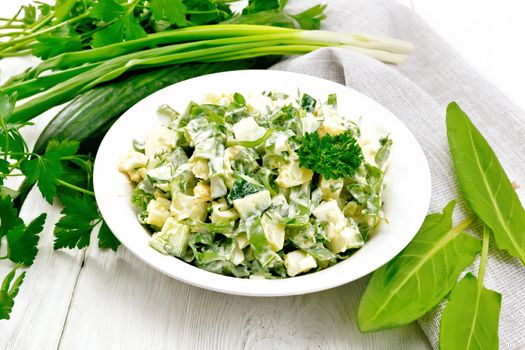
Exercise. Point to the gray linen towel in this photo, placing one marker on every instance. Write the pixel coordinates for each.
(418, 92)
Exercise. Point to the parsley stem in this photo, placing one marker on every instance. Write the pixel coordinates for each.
(76, 188)
(11, 26)
(4, 257)
(484, 256)
(40, 23)
(10, 19)
(31, 36)
(16, 53)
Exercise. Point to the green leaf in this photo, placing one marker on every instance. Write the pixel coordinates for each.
(484, 184)
(127, 28)
(255, 6)
(57, 42)
(172, 10)
(311, 19)
(8, 215)
(47, 169)
(242, 187)
(73, 175)
(106, 238)
(80, 216)
(9, 292)
(13, 144)
(207, 11)
(308, 103)
(108, 10)
(470, 318)
(63, 8)
(132, 29)
(23, 241)
(418, 278)
(29, 14)
(274, 18)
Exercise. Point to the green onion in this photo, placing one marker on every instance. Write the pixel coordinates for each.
(87, 69)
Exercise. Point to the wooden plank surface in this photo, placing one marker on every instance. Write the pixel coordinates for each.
(121, 303)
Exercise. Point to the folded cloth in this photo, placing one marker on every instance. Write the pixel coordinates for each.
(417, 92)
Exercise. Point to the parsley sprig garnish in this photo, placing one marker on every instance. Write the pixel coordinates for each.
(333, 157)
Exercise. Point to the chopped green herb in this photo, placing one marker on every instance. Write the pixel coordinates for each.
(333, 157)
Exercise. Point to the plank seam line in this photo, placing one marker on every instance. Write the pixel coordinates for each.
(64, 325)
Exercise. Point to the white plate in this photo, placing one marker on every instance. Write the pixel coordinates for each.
(406, 194)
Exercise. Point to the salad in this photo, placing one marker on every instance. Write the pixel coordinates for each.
(262, 186)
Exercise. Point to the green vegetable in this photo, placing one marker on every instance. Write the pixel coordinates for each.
(332, 100)
(418, 278)
(8, 216)
(8, 292)
(242, 187)
(22, 241)
(72, 25)
(484, 184)
(80, 216)
(470, 318)
(255, 6)
(106, 238)
(311, 18)
(308, 103)
(235, 42)
(46, 170)
(331, 156)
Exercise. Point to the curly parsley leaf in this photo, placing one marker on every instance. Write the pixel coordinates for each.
(172, 10)
(46, 170)
(8, 293)
(311, 19)
(23, 241)
(331, 156)
(80, 216)
(8, 215)
(106, 238)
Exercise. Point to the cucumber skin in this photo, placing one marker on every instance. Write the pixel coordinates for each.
(88, 116)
